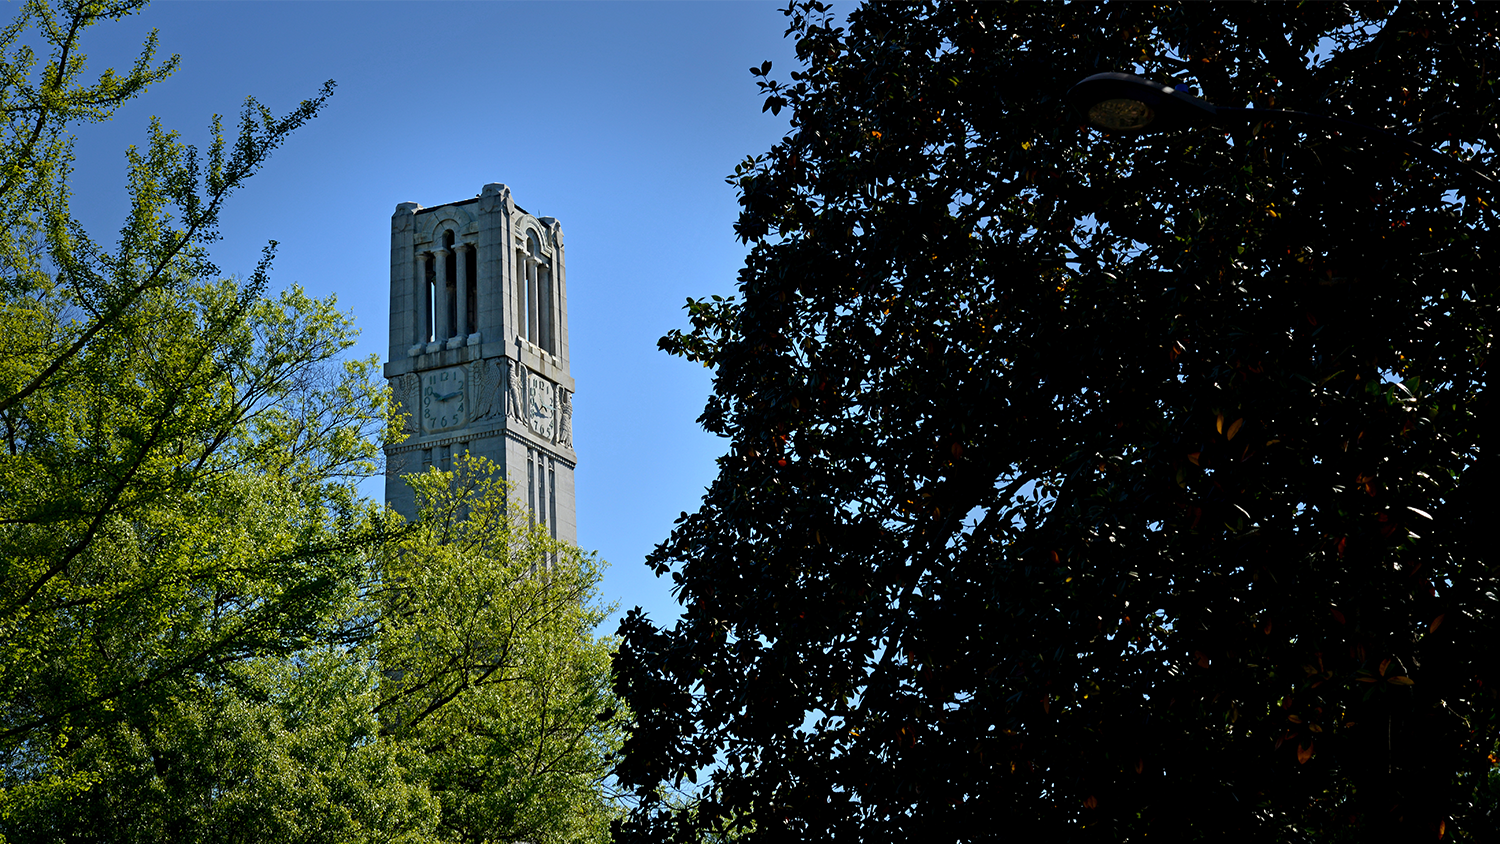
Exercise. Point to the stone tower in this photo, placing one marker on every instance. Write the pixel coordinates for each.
(479, 350)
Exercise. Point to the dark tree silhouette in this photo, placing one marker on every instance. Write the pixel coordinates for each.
(1093, 486)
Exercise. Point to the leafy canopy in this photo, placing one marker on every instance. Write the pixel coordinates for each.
(1091, 486)
(206, 634)
(491, 668)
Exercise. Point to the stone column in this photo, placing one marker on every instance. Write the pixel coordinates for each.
(424, 306)
(533, 299)
(496, 268)
(403, 308)
(461, 313)
(560, 290)
(440, 300)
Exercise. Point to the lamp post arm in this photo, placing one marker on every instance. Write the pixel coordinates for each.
(1433, 158)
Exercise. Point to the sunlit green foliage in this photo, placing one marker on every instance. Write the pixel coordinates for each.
(206, 634)
(491, 666)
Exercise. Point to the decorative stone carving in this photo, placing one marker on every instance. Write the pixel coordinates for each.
(554, 230)
(541, 404)
(406, 391)
(515, 390)
(405, 213)
(488, 378)
(430, 227)
(492, 198)
(565, 418)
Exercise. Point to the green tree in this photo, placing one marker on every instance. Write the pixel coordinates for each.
(465, 698)
(176, 486)
(1093, 487)
(492, 668)
(204, 629)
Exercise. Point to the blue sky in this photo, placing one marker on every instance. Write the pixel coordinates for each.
(619, 119)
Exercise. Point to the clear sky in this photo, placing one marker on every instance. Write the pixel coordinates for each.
(619, 119)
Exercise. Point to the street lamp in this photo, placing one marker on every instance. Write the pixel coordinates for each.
(1123, 102)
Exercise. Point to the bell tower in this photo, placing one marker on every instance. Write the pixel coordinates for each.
(479, 350)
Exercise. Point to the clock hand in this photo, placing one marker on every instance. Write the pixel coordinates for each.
(447, 396)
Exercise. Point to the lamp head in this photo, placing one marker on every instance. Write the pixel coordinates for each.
(1123, 102)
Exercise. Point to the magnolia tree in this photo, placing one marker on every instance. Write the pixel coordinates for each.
(1092, 486)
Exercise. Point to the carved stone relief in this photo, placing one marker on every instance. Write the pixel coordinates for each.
(493, 197)
(565, 418)
(554, 231)
(487, 376)
(407, 391)
(515, 390)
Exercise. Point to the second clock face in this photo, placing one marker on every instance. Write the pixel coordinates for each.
(541, 394)
(444, 401)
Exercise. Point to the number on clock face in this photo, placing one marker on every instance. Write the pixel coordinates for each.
(542, 397)
(443, 399)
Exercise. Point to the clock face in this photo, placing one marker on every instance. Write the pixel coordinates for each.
(444, 401)
(541, 398)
